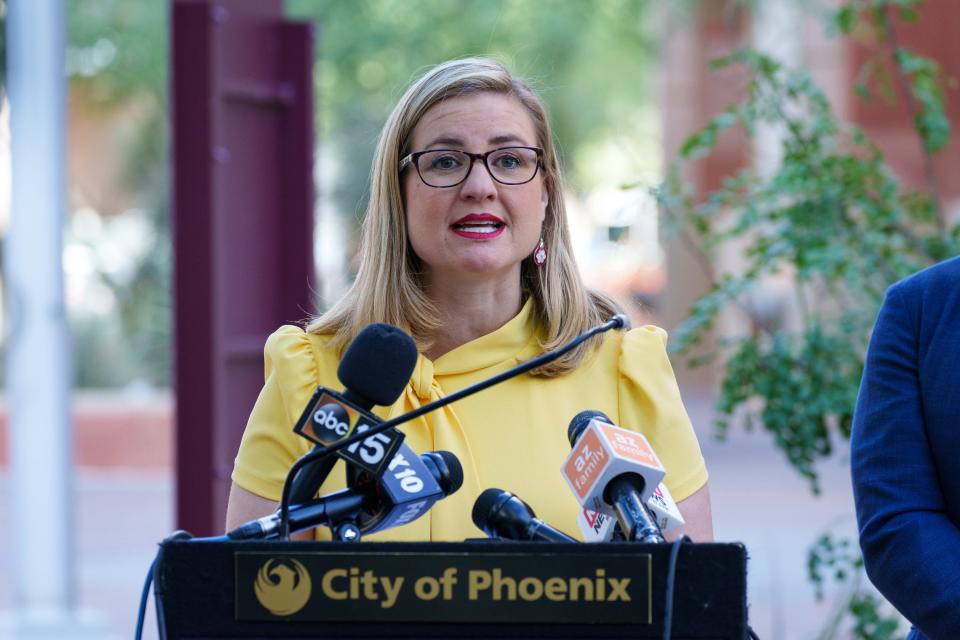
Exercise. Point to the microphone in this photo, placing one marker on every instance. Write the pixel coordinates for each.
(501, 514)
(327, 417)
(407, 491)
(596, 526)
(614, 471)
(664, 510)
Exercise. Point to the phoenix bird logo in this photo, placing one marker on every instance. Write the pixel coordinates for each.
(282, 586)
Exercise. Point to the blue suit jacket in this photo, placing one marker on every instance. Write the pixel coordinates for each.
(905, 451)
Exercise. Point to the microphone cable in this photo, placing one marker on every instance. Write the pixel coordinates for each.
(179, 534)
(618, 321)
(668, 591)
(142, 611)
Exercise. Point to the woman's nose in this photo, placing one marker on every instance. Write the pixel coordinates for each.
(479, 183)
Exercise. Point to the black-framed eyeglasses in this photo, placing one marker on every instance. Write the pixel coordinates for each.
(443, 168)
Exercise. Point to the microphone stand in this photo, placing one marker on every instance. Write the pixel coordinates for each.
(318, 456)
(619, 321)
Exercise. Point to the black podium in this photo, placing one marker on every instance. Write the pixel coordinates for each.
(481, 589)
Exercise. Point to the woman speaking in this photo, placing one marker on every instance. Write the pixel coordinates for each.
(465, 245)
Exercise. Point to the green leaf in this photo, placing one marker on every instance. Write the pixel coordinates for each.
(843, 18)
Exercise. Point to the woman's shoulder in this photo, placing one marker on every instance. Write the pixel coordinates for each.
(635, 348)
(299, 356)
(637, 357)
(643, 352)
(291, 341)
(291, 337)
(645, 336)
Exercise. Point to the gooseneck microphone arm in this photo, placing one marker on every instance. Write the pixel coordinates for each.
(325, 510)
(619, 321)
(632, 514)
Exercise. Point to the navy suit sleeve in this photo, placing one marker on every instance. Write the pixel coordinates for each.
(911, 549)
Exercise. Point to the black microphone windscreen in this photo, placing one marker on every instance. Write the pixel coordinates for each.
(378, 364)
(580, 422)
(447, 470)
(484, 505)
(500, 514)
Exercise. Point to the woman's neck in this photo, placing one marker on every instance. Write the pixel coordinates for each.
(472, 309)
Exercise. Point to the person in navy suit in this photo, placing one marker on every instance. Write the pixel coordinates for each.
(905, 451)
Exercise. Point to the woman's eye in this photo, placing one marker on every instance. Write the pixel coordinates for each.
(443, 163)
(507, 161)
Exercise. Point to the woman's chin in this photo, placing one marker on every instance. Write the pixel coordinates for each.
(481, 268)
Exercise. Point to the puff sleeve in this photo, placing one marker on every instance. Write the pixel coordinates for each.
(649, 399)
(293, 368)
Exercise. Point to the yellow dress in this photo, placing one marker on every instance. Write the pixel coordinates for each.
(511, 436)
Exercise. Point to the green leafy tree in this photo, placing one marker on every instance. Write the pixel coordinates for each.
(117, 55)
(833, 218)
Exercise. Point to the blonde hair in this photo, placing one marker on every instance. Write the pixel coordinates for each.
(388, 288)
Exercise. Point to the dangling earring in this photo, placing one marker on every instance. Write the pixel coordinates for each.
(540, 253)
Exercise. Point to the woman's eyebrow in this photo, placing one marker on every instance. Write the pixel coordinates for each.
(452, 141)
(445, 140)
(505, 138)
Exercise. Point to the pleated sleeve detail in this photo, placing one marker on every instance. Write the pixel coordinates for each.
(293, 368)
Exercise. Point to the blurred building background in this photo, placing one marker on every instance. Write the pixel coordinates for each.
(626, 81)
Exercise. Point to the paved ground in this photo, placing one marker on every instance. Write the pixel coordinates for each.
(757, 500)
(120, 516)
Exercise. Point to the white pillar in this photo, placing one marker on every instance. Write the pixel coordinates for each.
(38, 373)
(778, 27)
(778, 31)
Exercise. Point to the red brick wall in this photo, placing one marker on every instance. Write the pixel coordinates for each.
(889, 125)
(114, 430)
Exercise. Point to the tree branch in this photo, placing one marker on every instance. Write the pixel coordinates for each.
(703, 261)
(910, 102)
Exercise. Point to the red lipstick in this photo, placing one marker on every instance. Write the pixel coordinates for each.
(478, 226)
